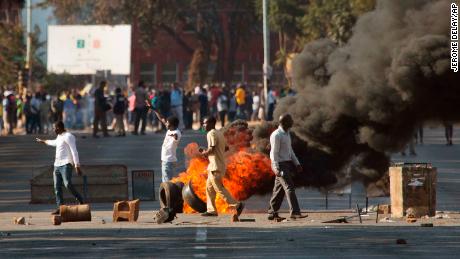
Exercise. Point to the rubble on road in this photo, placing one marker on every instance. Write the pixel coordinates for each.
(20, 221)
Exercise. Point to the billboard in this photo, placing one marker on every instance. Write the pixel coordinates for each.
(84, 49)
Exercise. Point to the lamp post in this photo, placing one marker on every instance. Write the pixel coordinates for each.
(266, 65)
(29, 44)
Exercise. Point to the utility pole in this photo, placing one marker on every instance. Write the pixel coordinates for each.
(29, 45)
(266, 66)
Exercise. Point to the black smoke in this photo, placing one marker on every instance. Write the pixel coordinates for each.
(359, 102)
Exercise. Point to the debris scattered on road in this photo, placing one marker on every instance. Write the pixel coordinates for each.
(411, 218)
(427, 225)
(441, 216)
(386, 220)
(56, 220)
(401, 241)
(339, 220)
(247, 220)
(20, 221)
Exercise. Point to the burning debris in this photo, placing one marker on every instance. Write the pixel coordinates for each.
(248, 171)
(355, 104)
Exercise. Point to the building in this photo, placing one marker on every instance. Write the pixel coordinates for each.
(168, 62)
(10, 11)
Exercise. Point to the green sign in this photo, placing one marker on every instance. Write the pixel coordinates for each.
(80, 44)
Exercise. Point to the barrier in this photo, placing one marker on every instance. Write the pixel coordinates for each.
(105, 183)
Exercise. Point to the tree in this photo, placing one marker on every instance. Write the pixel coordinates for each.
(12, 52)
(218, 26)
(300, 21)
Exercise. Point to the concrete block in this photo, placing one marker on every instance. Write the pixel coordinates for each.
(126, 211)
(105, 183)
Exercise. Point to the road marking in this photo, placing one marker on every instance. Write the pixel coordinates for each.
(201, 236)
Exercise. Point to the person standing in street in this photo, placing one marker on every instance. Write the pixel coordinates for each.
(10, 110)
(255, 106)
(119, 109)
(140, 108)
(240, 96)
(100, 108)
(176, 104)
(170, 143)
(449, 130)
(216, 170)
(222, 107)
(66, 158)
(284, 165)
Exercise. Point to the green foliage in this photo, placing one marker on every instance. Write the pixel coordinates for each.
(333, 19)
(12, 53)
(301, 21)
(55, 83)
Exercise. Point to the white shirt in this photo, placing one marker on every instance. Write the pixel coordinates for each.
(66, 150)
(169, 147)
(255, 102)
(222, 103)
(281, 149)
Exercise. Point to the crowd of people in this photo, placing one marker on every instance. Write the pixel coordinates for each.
(125, 109)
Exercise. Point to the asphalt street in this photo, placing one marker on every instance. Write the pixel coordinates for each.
(19, 155)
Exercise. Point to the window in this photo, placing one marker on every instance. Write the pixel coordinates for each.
(148, 73)
(169, 73)
(238, 73)
(255, 73)
(185, 73)
(211, 71)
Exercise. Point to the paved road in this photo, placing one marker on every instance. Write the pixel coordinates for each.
(211, 242)
(19, 155)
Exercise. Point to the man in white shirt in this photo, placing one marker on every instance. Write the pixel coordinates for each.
(66, 159)
(284, 165)
(170, 143)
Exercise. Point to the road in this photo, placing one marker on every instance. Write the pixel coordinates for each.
(19, 155)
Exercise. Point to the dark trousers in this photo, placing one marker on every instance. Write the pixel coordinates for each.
(100, 117)
(63, 175)
(449, 130)
(271, 109)
(284, 185)
(231, 116)
(141, 113)
(222, 117)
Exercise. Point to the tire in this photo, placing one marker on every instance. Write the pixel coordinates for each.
(192, 199)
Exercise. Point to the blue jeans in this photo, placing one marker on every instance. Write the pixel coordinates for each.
(167, 170)
(63, 175)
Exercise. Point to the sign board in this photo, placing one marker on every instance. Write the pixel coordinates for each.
(85, 49)
(143, 185)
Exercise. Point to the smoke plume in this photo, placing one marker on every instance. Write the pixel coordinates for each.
(359, 102)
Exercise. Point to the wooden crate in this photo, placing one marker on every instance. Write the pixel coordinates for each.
(413, 186)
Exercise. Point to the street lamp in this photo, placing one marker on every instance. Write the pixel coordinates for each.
(266, 66)
(28, 65)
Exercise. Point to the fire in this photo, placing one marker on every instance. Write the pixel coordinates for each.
(248, 172)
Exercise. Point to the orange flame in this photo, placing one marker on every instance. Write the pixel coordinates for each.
(248, 173)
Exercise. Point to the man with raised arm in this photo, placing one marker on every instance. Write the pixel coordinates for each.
(66, 159)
